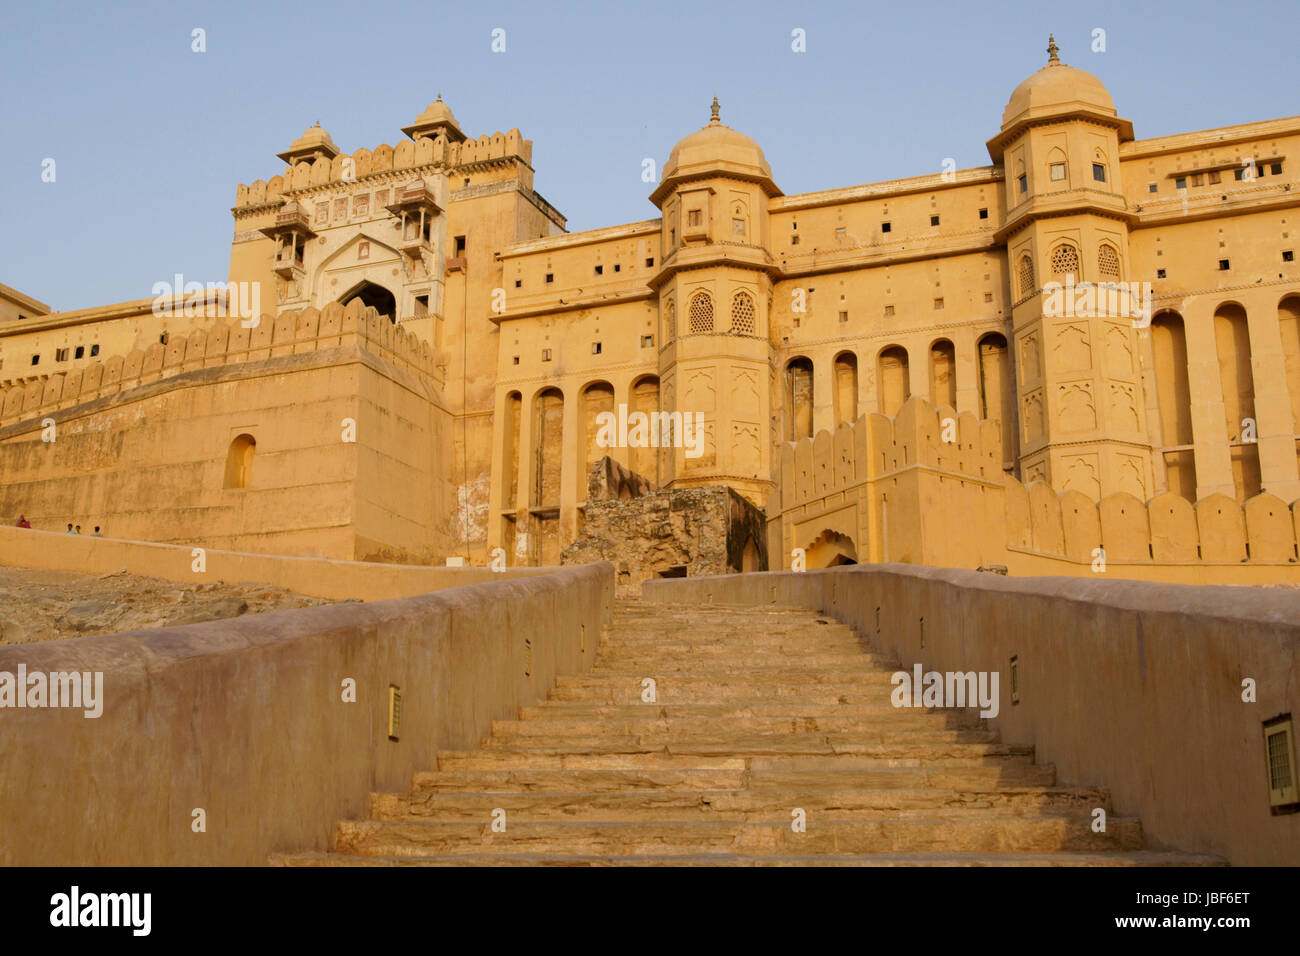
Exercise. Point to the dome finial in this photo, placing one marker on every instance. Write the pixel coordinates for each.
(1052, 51)
(439, 98)
(713, 113)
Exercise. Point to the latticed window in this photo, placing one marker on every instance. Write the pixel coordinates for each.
(1108, 262)
(1026, 275)
(742, 314)
(701, 313)
(1065, 261)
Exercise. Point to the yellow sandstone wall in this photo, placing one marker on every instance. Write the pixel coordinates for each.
(143, 441)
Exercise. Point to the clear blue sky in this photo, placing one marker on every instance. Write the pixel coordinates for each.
(150, 139)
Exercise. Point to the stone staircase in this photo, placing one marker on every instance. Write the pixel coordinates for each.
(758, 712)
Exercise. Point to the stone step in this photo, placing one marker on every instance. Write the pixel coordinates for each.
(802, 696)
(818, 652)
(991, 775)
(814, 663)
(689, 637)
(886, 776)
(1065, 858)
(900, 720)
(857, 757)
(916, 742)
(596, 712)
(866, 684)
(692, 804)
(882, 835)
(727, 670)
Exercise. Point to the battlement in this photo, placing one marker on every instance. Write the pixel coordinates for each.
(224, 343)
(927, 487)
(346, 168)
(875, 446)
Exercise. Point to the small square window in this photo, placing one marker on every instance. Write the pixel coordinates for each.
(1180, 182)
(1160, 273)
(1023, 181)
(695, 217)
(1288, 255)
(460, 246)
(984, 213)
(1056, 171)
(938, 303)
(600, 270)
(514, 360)
(519, 283)
(647, 341)
(466, 180)
(988, 296)
(550, 277)
(60, 355)
(1275, 169)
(595, 348)
(650, 263)
(796, 321)
(794, 240)
(1153, 188)
(1197, 179)
(1239, 174)
(617, 267)
(36, 360)
(1213, 177)
(889, 310)
(546, 355)
(886, 226)
(1099, 172)
(844, 316)
(94, 350)
(1224, 265)
(934, 220)
(80, 352)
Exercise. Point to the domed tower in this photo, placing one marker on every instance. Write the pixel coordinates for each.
(1081, 412)
(715, 289)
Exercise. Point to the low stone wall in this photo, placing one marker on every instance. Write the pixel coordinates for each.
(319, 577)
(246, 720)
(1133, 686)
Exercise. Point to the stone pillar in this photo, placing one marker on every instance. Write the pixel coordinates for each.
(1210, 441)
(1275, 428)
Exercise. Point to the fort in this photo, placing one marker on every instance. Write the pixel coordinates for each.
(891, 398)
(429, 292)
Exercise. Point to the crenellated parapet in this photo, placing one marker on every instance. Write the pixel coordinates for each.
(226, 343)
(877, 446)
(346, 169)
(927, 487)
